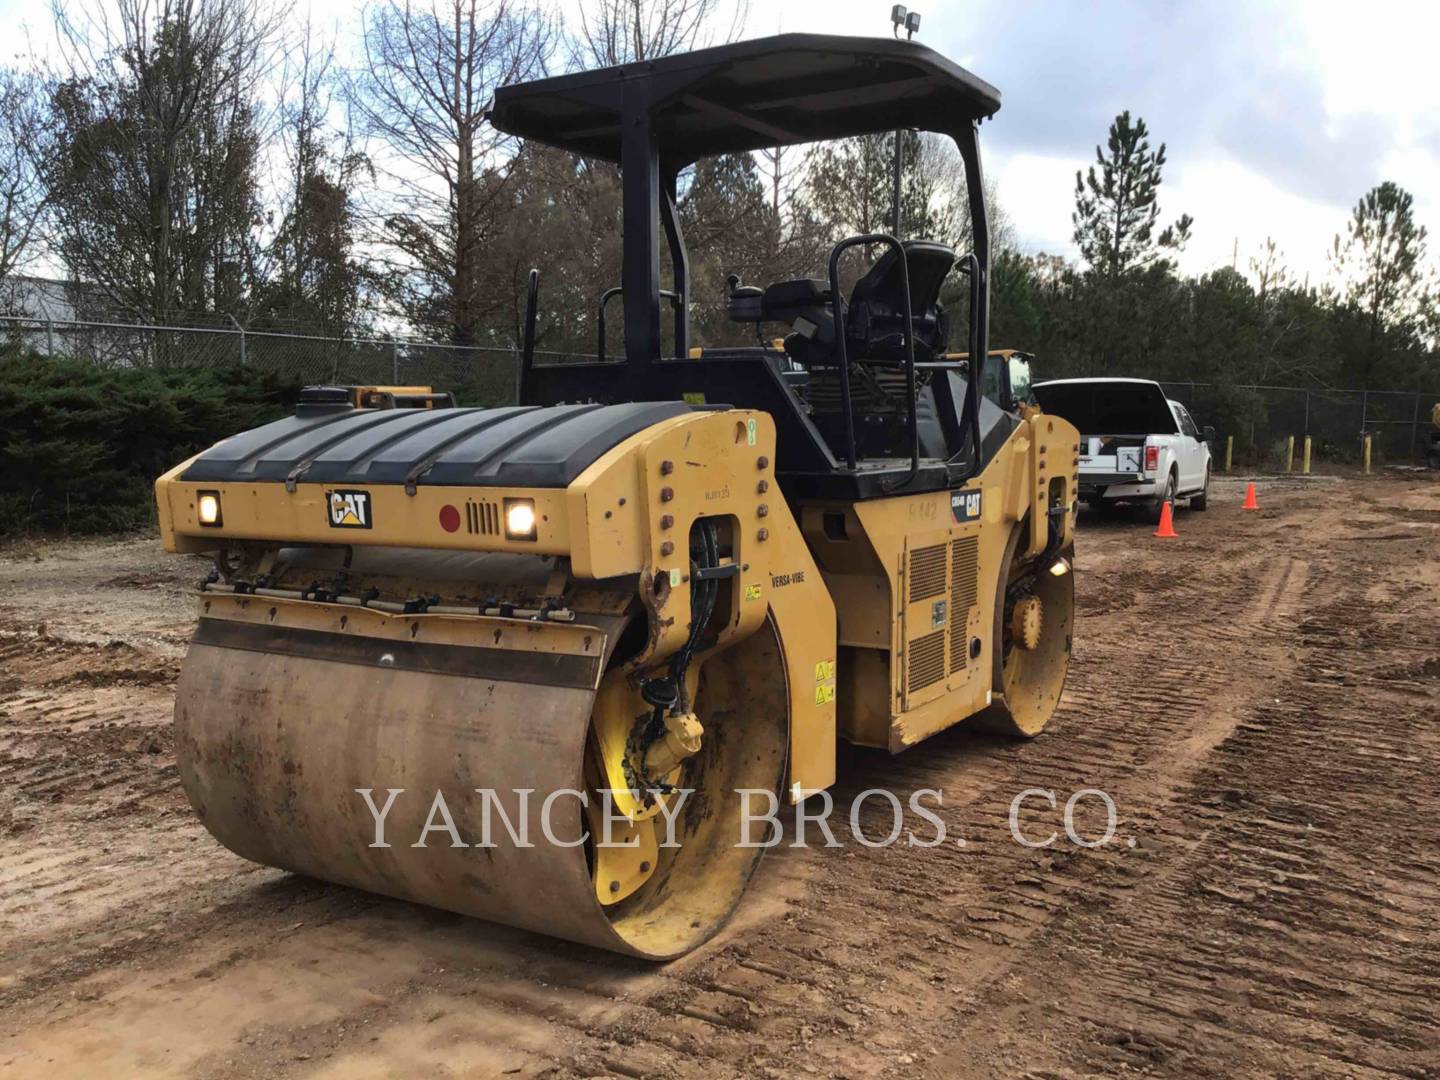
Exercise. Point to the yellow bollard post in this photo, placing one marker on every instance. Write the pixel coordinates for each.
(1305, 466)
(1229, 450)
(1367, 455)
(1289, 452)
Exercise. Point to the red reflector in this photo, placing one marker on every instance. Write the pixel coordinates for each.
(449, 518)
(1152, 458)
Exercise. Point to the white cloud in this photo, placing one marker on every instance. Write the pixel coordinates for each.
(1026, 184)
(1236, 209)
(1278, 116)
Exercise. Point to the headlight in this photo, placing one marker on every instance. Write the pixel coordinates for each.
(519, 519)
(1059, 568)
(207, 507)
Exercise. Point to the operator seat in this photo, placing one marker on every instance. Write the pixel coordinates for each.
(875, 348)
(875, 317)
(874, 344)
(875, 322)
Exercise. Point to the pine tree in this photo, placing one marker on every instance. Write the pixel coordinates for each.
(1116, 210)
(1381, 263)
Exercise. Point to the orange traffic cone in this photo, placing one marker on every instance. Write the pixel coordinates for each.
(1166, 531)
(1250, 503)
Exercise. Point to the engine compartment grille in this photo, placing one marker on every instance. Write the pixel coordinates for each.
(927, 572)
(926, 663)
(964, 592)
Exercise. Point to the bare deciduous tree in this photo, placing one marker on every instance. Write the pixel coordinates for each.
(155, 140)
(311, 278)
(621, 31)
(22, 188)
(426, 78)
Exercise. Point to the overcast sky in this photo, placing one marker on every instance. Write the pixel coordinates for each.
(1277, 116)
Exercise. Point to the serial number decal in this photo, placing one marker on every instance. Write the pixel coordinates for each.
(965, 505)
(348, 509)
(779, 581)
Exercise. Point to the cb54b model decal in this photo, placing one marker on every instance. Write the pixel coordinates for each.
(965, 505)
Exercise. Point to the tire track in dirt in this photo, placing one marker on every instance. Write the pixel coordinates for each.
(1235, 691)
(977, 907)
(1300, 894)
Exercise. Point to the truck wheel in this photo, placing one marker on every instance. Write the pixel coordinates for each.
(1202, 500)
(1157, 505)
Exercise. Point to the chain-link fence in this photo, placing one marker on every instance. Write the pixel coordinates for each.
(483, 375)
(1259, 418)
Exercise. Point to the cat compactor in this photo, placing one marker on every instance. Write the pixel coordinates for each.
(524, 662)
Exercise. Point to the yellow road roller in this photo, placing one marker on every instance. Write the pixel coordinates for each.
(529, 663)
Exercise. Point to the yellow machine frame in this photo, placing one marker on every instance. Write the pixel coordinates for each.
(842, 586)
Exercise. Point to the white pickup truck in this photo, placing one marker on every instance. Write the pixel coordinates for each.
(1136, 446)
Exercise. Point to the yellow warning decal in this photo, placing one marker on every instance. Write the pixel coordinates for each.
(752, 592)
(694, 397)
(824, 682)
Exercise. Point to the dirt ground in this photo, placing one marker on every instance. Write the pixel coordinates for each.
(1260, 697)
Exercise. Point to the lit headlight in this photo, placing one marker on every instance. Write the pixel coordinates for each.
(1059, 568)
(207, 507)
(519, 519)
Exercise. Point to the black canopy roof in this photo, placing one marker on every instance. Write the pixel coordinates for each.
(771, 91)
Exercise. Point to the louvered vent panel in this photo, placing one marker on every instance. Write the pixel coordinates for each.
(927, 661)
(964, 590)
(927, 572)
(482, 519)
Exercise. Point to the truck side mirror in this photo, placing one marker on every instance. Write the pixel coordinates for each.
(1207, 433)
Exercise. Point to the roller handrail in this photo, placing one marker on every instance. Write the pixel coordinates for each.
(605, 298)
(970, 267)
(842, 351)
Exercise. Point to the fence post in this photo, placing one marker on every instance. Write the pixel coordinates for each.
(241, 330)
(1289, 453)
(1367, 454)
(1229, 450)
(1305, 464)
(1415, 430)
